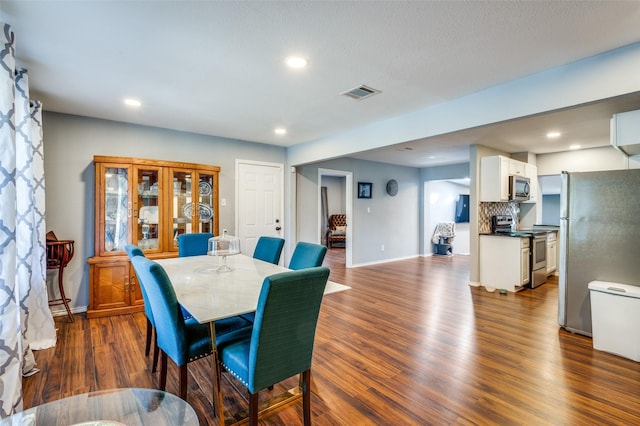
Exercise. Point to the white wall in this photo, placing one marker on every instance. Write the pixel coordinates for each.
(70, 142)
(582, 160)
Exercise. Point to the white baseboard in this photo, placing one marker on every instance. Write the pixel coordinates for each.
(378, 262)
(63, 311)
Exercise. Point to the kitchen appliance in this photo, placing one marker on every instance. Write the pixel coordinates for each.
(519, 188)
(599, 239)
(538, 258)
(503, 224)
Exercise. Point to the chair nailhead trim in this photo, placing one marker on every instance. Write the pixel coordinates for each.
(235, 375)
(201, 356)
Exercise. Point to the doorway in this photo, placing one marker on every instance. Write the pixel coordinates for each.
(550, 188)
(340, 201)
(440, 200)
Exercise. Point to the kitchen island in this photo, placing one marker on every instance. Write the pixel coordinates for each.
(504, 261)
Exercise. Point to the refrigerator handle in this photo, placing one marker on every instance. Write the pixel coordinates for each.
(562, 261)
(564, 195)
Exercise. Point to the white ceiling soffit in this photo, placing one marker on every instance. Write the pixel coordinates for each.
(217, 68)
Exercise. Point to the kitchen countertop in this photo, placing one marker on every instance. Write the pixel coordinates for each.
(548, 228)
(518, 234)
(526, 232)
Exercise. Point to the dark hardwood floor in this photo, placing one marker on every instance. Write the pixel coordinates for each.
(410, 344)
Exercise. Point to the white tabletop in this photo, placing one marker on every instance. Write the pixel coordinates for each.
(210, 295)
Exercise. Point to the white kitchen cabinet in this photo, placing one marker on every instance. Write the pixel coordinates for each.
(494, 178)
(504, 262)
(517, 168)
(552, 253)
(531, 172)
(525, 266)
(625, 132)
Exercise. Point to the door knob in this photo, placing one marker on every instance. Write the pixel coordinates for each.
(278, 228)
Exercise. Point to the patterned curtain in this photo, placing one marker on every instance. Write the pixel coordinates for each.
(25, 318)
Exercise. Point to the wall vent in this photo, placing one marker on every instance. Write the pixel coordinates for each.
(361, 92)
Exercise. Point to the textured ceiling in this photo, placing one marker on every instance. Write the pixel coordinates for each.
(216, 67)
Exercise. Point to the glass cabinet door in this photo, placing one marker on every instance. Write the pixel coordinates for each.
(148, 185)
(206, 200)
(117, 208)
(183, 211)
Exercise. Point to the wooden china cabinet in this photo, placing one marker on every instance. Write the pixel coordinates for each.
(147, 203)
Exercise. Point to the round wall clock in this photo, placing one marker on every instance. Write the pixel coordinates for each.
(392, 187)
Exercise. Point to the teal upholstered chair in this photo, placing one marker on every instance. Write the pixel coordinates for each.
(269, 249)
(281, 343)
(193, 244)
(181, 340)
(307, 255)
(134, 251)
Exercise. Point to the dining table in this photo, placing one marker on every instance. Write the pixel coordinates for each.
(212, 293)
(114, 407)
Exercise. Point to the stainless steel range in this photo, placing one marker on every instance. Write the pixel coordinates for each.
(503, 224)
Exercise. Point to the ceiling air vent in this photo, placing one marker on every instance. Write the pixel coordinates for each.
(361, 92)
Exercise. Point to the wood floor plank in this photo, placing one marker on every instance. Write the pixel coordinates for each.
(411, 343)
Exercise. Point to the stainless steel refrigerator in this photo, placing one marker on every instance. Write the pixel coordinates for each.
(599, 239)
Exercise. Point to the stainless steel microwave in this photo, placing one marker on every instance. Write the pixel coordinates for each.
(519, 188)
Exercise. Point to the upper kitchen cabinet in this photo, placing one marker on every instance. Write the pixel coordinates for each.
(625, 132)
(494, 177)
(531, 172)
(147, 203)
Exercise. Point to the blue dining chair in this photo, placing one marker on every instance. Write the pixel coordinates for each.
(193, 244)
(181, 340)
(133, 251)
(269, 249)
(307, 255)
(281, 342)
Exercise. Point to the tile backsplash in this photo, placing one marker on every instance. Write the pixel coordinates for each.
(486, 210)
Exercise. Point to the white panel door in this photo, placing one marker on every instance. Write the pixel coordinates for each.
(260, 207)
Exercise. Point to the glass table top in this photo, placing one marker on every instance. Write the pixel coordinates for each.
(130, 406)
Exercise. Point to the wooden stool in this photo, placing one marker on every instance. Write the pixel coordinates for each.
(59, 253)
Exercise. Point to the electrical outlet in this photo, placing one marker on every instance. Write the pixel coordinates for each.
(382, 247)
(223, 202)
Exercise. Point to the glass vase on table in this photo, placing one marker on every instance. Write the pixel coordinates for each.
(224, 245)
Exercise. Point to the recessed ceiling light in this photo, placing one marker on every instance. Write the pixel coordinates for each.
(575, 146)
(553, 135)
(431, 157)
(296, 62)
(132, 102)
(280, 131)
